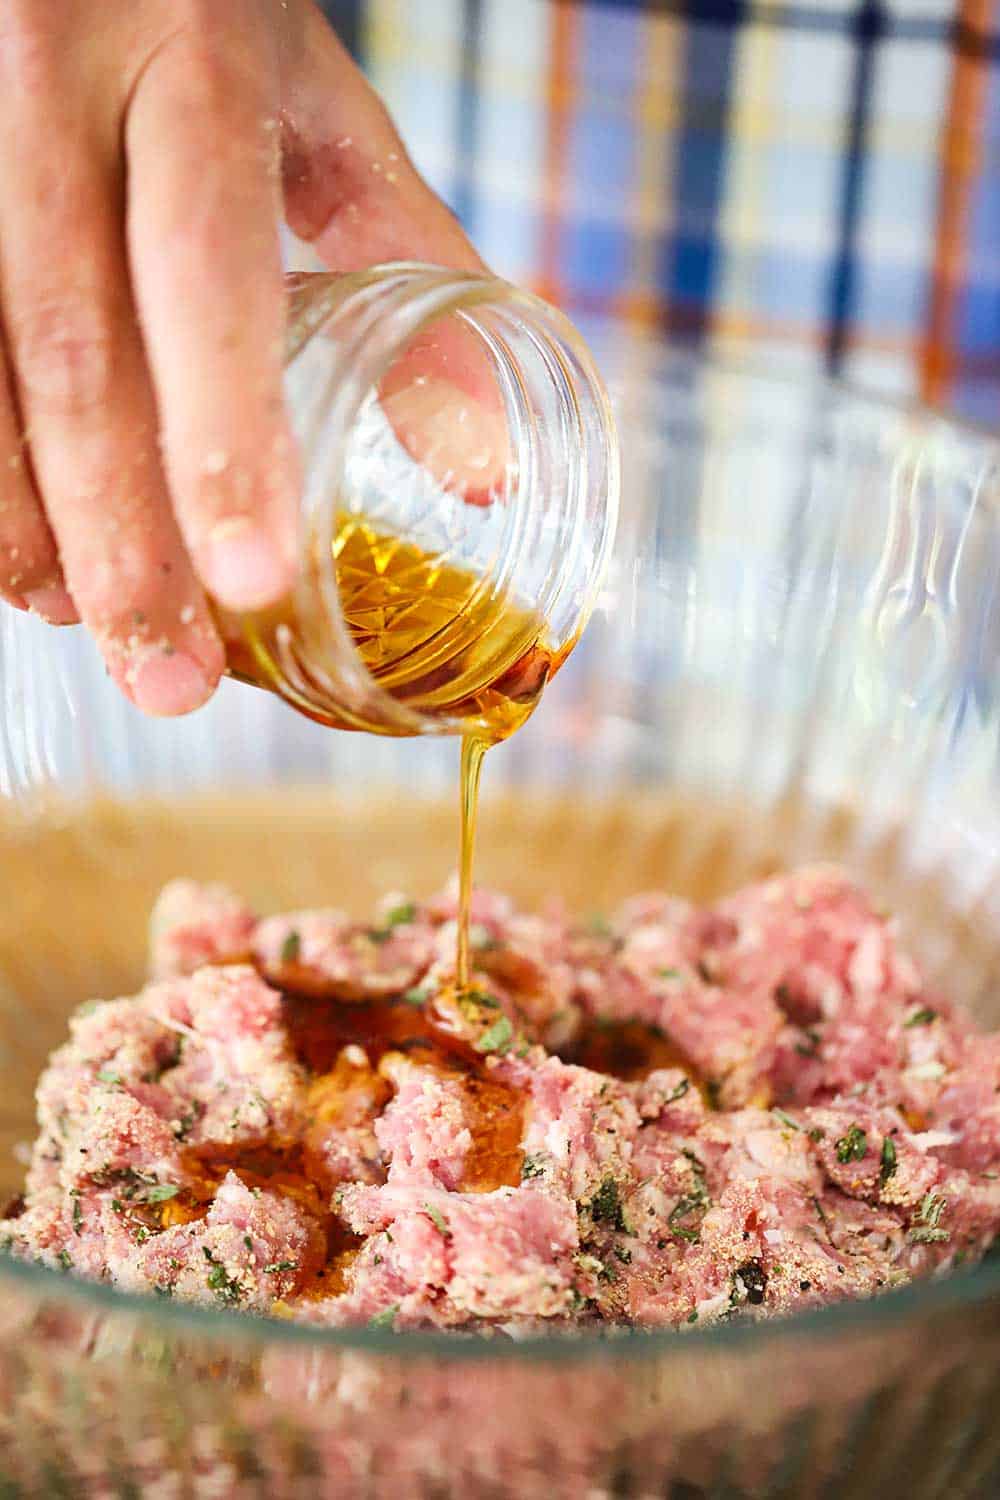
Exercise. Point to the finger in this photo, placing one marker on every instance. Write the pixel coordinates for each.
(352, 191)
(29, 565)
(350, 188)
(203, 213)
(84, 394)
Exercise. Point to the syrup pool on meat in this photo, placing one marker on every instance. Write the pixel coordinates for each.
(669, 1117)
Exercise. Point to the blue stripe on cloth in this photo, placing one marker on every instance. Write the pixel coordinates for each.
(868, 28)
(346, 18)
(689, 256)
(467, 116)
(913, 27)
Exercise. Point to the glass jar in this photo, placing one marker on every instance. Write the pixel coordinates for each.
(459, 503)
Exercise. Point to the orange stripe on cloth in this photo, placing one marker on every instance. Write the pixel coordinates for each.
(959, 161)
(559, 98)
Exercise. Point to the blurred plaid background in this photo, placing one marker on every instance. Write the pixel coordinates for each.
(822, 177)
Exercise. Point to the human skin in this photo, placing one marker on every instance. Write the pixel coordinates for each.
(150, 148)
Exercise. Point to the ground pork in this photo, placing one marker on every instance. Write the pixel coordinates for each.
(666, 1115)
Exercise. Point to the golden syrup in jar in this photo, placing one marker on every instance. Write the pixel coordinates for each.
(432, 635)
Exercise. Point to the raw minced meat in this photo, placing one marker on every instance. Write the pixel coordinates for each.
(668, 1117)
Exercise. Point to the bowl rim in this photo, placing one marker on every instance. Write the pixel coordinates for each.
(957, 1289)
(952, 1291)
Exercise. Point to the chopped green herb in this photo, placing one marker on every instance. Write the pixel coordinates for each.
(108, 1075)
(416, 996)
(280, 1265)
(924, 1235)
(77, 1213)
(291, 947)
(623, 1254)
(809, 1046)
(438, 1219)
(669, 973)
(928, 1229)
(65, 1260)
(678, 1092)
(932, 1208)
(598, 925)
(532, 1166)
(779, 1114)
(398, 917)
(606, 1205)
(922, 1017)
(815, 1133)
(696, 1162)
(471, 1002)
(248, 1242)
(888, 1161)
(688, 1204)
(161, 1192)
(496, 1038)
(697, 1197)
(117, 1206)
(225, 1287)
(692, 1317)
(679, 1232)
(853, 1146)
(386, 1318)
(188, 1120)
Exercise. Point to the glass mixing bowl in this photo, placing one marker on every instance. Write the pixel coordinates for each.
(796, 655)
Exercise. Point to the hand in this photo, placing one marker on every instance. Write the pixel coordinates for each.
(148, 148)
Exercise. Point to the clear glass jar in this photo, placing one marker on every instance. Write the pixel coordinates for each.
(459, 503)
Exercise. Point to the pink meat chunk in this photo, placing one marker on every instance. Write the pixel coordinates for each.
(236, 1080)
(251, 1249)
(580, 1126)
(193, 924)
(343, 1108)
(659, 969)
(813, 937)
(817, 1124)
(424, 1130)
(450, 1258)
(322, 953)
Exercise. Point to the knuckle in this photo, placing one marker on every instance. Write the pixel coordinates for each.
(63, 351)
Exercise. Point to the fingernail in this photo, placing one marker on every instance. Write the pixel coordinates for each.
(244, 568)
(54, 605)
(165, 684)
